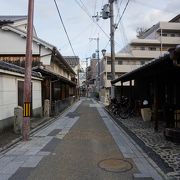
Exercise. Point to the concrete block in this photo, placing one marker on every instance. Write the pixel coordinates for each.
(18, 119)
(46, 108)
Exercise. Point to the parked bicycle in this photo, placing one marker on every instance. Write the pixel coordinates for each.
(123, 108)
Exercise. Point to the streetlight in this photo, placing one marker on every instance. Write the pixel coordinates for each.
(103, 52)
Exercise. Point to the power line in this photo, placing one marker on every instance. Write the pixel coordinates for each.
(91, 17)
(122, 13)
(107, 44)
(83, 7)
(79, 34)
(118, 9)
(95, 6)
(64, 27)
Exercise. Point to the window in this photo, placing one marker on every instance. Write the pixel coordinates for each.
(108, 62)
(142, 48)
(120, 62)
(109, 76)
(172, 35)
(152, 48)
(163, 34)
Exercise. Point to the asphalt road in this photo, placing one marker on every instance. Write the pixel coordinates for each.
(83, 143)
(78, 154)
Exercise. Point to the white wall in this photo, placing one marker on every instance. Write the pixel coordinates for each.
(9, 94)
(36, 94)
(14, 43)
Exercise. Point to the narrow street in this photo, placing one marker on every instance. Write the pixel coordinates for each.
(83, 143)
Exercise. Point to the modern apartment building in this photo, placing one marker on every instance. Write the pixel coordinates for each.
(152, 43)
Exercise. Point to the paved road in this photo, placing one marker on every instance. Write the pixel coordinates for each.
(83, 144)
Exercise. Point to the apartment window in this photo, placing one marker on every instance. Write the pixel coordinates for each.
(152, 48)
(108, 62)
(109, 76)
(120, 62)
(163, 34)
(142, 48)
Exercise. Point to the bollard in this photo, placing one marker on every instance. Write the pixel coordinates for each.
(46, 108)
(18, 113)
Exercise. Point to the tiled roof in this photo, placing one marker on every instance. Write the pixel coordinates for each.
(72, 60)
(11, 18)
(17, 69)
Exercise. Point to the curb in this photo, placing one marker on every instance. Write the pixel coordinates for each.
(141, 149)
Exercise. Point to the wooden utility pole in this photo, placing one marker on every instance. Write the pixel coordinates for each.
(108, 12)
(28, 69)
(112, 29)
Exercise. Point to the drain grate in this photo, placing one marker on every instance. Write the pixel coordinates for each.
(115, 165)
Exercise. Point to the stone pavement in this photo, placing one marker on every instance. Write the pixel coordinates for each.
(165, 153)
(84, 143)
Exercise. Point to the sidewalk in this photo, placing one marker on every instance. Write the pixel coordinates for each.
(8, 137)
(164, 153)
(84, 143)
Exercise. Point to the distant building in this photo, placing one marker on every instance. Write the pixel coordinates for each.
(153, 43)
(74, 62)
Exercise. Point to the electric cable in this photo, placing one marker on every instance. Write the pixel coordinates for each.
(92, 19)
(122, 13)
(118, 9)
(64, 27)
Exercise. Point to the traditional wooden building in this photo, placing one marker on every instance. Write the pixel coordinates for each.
(60, 82)
(11, 93)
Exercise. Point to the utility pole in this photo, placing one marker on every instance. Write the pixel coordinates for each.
(112, 28)
(108, 12)
(97, 39)
(28, 69)
(87, 77)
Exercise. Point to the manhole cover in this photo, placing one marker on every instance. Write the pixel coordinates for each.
(115, 165)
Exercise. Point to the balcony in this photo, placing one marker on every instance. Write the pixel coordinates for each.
(146, 53)
(122, 68)
(169, 40)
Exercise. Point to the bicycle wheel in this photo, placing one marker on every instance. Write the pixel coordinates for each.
(123, 111)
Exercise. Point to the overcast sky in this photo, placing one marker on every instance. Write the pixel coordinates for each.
(79, 24)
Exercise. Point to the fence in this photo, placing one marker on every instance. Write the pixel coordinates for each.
(60, 105)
